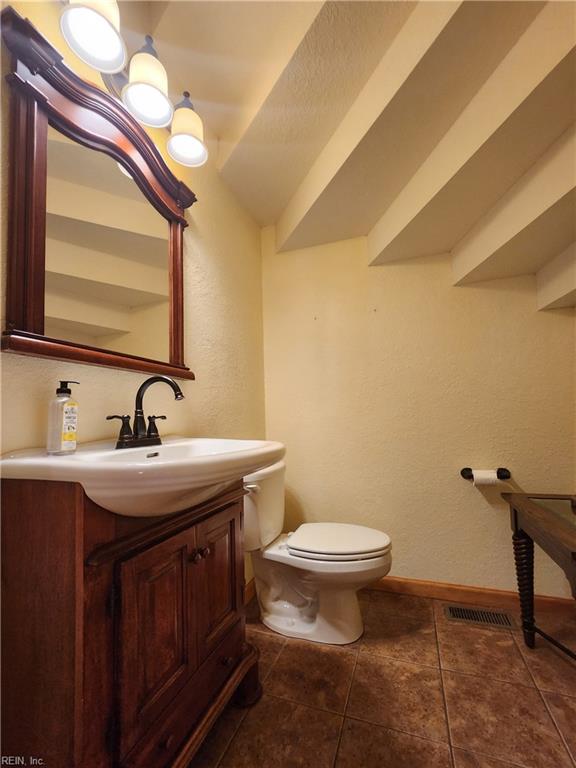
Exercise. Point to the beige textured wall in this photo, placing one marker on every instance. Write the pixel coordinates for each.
(223, 321)
(384, 381)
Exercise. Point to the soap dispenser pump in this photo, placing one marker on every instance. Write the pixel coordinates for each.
(62, 421)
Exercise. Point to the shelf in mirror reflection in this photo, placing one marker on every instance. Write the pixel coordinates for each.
(79, 332)
(133, 245)
(107, 280)
(117, 294)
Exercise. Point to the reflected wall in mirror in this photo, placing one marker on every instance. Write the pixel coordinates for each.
(107, 248)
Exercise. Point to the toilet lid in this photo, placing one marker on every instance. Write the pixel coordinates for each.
(337, 541)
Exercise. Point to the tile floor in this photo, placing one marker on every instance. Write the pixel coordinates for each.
(416, 691)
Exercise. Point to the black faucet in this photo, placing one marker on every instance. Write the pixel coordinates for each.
(140, 435)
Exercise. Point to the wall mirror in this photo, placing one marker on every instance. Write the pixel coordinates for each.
(95, 225)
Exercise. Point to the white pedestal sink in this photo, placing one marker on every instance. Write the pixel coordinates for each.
(143, 482)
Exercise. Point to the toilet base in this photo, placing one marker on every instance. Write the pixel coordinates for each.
(313, 600)
(337, 622)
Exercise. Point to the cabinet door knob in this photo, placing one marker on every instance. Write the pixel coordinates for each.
(168, 741)
(227, 661)
(195, 557)
(205, 551)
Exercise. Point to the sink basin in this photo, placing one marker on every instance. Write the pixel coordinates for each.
(142, 482)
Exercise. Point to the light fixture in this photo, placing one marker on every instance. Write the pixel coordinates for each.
(146, 93)
(92, 29)
(186, 143)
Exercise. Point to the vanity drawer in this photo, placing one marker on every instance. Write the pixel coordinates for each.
(166, 736)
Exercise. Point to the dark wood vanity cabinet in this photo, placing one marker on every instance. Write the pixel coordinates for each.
(179, 601)
(156, 643)
(218, 541)
(123, 638)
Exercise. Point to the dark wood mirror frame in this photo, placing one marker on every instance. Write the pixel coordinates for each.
(44, 91)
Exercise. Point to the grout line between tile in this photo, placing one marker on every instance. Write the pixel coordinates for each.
(557, 693)
(346, 707)
(315, 707)
(491, 757)
(282, 647)
(381, 655)
(230, 740)
(398, 730)
(487, 677)
(444, 702)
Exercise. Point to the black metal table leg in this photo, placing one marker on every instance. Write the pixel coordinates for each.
(524, 559)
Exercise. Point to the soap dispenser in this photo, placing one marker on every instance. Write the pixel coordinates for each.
(62, 421)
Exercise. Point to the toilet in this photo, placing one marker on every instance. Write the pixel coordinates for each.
(307, 581)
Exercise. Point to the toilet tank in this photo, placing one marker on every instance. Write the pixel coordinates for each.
(264, 506)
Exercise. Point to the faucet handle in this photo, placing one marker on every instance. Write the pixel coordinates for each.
(125, 429)
(152, 428)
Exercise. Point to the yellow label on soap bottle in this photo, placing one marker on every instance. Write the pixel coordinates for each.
(70, 422)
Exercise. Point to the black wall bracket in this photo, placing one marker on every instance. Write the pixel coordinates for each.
(501, 473)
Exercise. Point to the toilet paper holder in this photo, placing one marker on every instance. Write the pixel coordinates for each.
(501, 473)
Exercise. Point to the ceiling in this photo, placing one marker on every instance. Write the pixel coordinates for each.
(406, 122)
(227, 54)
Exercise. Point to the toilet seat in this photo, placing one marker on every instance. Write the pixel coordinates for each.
(319, 566)
(339, 542)
(336, 558)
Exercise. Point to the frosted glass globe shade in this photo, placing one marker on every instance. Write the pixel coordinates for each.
(186, 144)
(146, 94)
(187, 150)
(92, 30)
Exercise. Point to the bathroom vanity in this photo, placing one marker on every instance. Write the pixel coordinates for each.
(123, 636)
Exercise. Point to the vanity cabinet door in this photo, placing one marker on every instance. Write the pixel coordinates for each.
(157, 648)
(220, 577)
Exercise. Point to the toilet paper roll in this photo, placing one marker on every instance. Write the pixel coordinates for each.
(485, 476)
